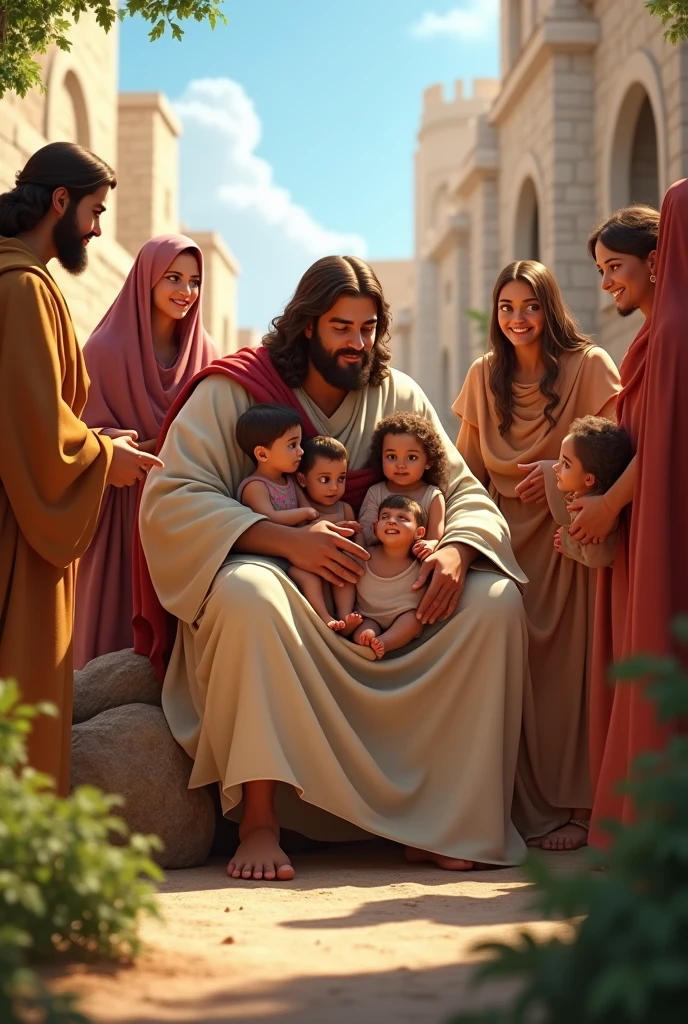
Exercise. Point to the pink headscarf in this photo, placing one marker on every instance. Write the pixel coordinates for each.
(129, 388)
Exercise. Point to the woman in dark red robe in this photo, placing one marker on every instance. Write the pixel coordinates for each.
(648, 586)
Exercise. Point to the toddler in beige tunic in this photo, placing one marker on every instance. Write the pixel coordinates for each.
(386, 597)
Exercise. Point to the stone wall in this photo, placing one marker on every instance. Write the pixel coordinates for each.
(219, 291)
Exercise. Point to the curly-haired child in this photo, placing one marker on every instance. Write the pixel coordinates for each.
(411, 456)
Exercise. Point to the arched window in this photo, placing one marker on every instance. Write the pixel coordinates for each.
(527, 234)
(68, 112)
(635, 156)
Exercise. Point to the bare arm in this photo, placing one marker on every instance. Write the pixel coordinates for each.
(256, 496)
(435, 529)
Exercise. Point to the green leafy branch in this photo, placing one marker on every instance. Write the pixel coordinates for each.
(673, 13)
(29, 27)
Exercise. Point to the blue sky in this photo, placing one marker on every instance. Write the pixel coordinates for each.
(300, 119)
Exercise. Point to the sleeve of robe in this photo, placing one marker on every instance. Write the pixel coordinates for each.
(594, 556)
(52, 467)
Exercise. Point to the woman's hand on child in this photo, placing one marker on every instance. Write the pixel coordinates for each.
(422, 548)
(446, 569)
(533, 487)
(326, 550)
(594, 520)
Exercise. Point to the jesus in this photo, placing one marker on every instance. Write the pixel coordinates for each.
(300, 727)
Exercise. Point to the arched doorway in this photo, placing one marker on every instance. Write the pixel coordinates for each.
(66, 111)
(635, 154)
(527, 227)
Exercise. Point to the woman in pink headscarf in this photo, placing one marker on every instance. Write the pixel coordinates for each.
(147, 346)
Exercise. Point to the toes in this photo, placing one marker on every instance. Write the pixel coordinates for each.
(285, 872)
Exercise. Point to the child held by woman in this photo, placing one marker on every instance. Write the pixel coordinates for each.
(593, 455)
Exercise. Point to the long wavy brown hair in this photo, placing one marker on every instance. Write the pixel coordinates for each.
(317, 291)
(561, 334)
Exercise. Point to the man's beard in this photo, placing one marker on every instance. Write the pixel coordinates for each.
(628, 311)
(343, 377)
(69, 243)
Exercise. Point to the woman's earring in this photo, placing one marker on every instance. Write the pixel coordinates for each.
(653, 279)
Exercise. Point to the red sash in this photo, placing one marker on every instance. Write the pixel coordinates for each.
(154, 628)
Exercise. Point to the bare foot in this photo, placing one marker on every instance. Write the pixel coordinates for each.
(260, 857)
(351, 622)
(336, 624)
(377, 646)
(447, 863)
(568, 837)
(366, 637)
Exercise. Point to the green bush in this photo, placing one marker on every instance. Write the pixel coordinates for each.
(65, 890)
(627, 960)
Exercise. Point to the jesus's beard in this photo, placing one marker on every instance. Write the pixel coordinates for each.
(343, 377)
(69, 243)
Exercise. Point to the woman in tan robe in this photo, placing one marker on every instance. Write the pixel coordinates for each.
(516, 406)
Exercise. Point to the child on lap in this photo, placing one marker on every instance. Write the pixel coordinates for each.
(322, 477)
(385, 595)
(411, 457)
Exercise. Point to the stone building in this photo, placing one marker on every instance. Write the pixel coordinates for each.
(137, 134)
(590, 113)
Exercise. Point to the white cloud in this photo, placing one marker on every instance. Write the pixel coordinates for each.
(221, 108)
(476, 19)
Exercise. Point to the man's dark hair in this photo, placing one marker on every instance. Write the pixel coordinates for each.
(401, 501)
(437, 472)
(317, 291)
(57, 165)
(632, 230)
(604, 449)
(261, 425)
(321, 447)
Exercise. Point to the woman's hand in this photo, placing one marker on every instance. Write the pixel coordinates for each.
(447, 567)
(533, 487)
(114, 432)
(128, 464)
(422, 548)
(594, 521)
(557, 541)
(325, 549)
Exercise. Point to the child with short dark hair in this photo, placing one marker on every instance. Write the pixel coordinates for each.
(593, 455)
(385, 593)
(322, 477)
(271, 437)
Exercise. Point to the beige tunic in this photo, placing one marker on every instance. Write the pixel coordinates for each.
(420, 747)
(374, 498)
(384, 599)
(554, 774)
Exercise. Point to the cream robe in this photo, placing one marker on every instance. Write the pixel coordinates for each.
(420, 747)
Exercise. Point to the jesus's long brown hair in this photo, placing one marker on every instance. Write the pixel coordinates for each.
(316, 293)
(561, 334)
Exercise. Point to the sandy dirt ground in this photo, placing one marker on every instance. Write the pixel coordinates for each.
(358, 937)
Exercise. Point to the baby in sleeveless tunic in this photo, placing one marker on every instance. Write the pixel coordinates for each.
(271, 437)
(410, 455)
(322, 477)
(385, 595)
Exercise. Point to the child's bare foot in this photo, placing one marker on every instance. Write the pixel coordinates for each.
(447, 863)
(351, 622)
(336, 624)
(260, 858)
(365, 637)
(377, 646)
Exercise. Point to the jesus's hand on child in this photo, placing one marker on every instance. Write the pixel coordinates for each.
(422, 548)
(325, 549)
(446, 569)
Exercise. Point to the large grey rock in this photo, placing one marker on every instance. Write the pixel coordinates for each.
(112, 681)
(131, 751)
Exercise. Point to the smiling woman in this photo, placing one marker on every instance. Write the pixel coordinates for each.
(516, 407)
(147, 346)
